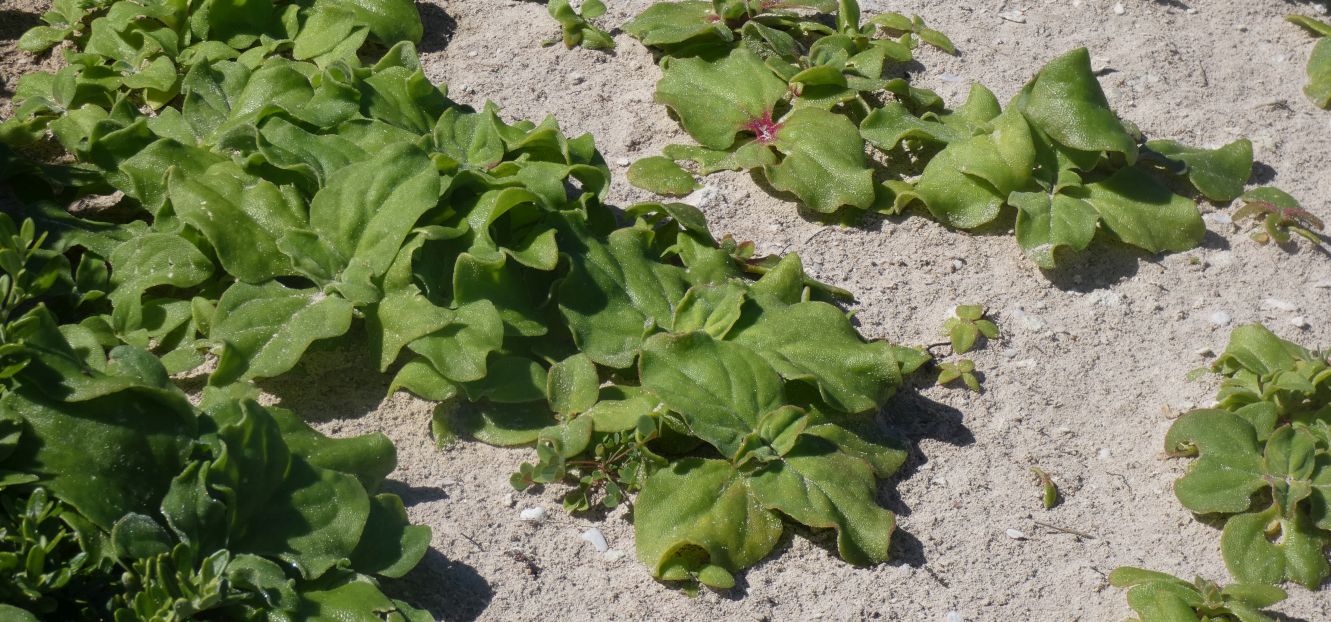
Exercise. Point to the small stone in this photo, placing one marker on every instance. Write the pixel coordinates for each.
(1065, 430)
(1322, 285)
(1278, 304)
(1013, 16)
(1118, 8)
(594, 536)
(1299, 322)
(1104, 453)
(533, 515)
(471, 54)
(957, 264)
(1186, 406)
(1015, 534)
(953, 616)
(622, 162)
(1010, 353)
(1219, 318)
(613, 555)
(1219, 218)
(1205, 352)
(575, 78)
(509, 500)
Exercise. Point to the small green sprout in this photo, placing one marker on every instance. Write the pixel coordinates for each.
(1158, 597)
(963, 370)
(577, 30)
(1050, 498)
(966, 326)
(1279, 214)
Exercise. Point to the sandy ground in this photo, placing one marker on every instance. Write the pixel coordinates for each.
(1083, 385)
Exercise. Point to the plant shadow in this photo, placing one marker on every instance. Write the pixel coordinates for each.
(448, 590)
(439, 28)
(15, 22)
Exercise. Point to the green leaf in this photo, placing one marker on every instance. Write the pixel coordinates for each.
(390, 545)
(1143, 213)
(1314, 26)
(851, 375)
(823, 488)
(1065, 101)
(666, 23)
(698, 512)
(1046, 223)
(967, 184)
(719, 388)
(662, 176)
(459, 350)
(1319, 74)
(616, 294)
(573, 385)
(368, 209)
(824, 162)
(713, 309)
(265, 329)
(1228, 470)
(1219, 174)
(390, 21)
(715, 100)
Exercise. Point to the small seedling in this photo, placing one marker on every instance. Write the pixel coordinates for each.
(1279, 214)
(1158, 597)
(965, 327)
(963, 370)
(577, 30)
(1050, 496)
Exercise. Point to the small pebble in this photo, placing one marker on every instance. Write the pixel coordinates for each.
(594, 536)
(1010, 353)
(1299, 322)
(1278, 304)
(1186, 406)
(509, 500)
(622, 162)
(1015, 534)
(1105, 453)
(1013, 16)
(613, 555)
(471, 54)
(533, 515)
(1219, 318)
(957, 264)
(575, 78)
(1118, 8)
(1204, 352)
(953, 616)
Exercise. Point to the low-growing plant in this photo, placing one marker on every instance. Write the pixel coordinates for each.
(576, 27)
(1263, 459)
(966, 325)
(1049, 496)
(1279, 214)
(963, 370)
(276, 202)
(1318, 88)
(813, 96)
(1159, 597)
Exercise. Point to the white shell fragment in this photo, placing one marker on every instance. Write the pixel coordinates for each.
(533, 515)
(594, 536)
(1016, 534)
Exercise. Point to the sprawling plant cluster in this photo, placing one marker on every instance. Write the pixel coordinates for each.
(121, 501)
(275, 191)
(1319, 62)
(1263, 459)
(761, 87)
(576, 27)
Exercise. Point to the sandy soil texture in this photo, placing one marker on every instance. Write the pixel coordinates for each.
(1084, 384)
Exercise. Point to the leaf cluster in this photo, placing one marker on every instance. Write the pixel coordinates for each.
(1159, 597)
(1279, 215)
(275, 202)
(801, 102)
(1263, 459)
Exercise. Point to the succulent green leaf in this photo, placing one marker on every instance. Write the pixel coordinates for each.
(1144, 213)
(716, 100)
(1219, 174)
(1318, 88)
(266, 328)
(662, 176)
(1046, 223)
(573, 385)
(1228, 470)
(666, 23)
(1065, 101)
(698, 512)
(824, 163)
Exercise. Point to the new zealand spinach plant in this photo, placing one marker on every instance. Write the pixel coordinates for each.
(283, 196)
(762, 87)
(1263, 459)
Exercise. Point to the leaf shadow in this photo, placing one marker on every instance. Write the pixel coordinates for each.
(15, 22)
(447, 589)
(413, 495)
(335, 380)
(439, 28)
